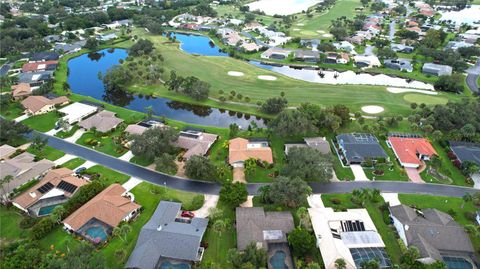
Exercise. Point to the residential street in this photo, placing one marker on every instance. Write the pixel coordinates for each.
(472, 77)
(213, 188)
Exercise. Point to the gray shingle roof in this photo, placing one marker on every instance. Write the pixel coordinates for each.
(358, 147)
(163, 237)
(466, 151)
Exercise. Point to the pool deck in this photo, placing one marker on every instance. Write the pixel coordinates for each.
(273, 248)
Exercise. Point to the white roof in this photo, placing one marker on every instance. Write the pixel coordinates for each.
(77, 111)
(324, 220)
(53, 193)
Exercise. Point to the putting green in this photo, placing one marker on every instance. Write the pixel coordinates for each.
(421, 98)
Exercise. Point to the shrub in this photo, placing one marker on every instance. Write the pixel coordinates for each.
(335, 201)
(42, 228)
(470, 215)
(27, 222)
(452, 212)
(451, 155)
(196, 203)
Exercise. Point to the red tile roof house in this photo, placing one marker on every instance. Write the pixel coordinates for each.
(102, 213)
(39, 66)
(241, 149)
(411, 152)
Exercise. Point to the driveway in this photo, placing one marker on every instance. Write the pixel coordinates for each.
(368, 50)
(249, 202)
(315, 201)
(391, 198)
(53, 131)
(476, 180)
(75, 136)
(391, 33)
(131, 183)
(23, 117)
(64, 159)
(414, 175)
(210, 202)
(239, 175)
(358, 173)
(127, 156)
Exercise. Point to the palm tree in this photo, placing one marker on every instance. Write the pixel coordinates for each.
(302, 214)
(466, 198)
(57, 214)
(4, 183)
(219, 226)
(122, 231)
(340, 264)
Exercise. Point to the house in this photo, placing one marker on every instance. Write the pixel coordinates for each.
(466, 151)
(53, 38)
(241, 149)
(106, 37)
(23, 168)
(338, 58)
(35, 79)
(104, 211)
(356, 148)
(319, 143)
(366, 61)
(21, 91)
(437, 69)
(36, 105)
(166, 237)
(44, 56)
(6, 151)
(344, 45)
(55, 188)
(312, 43)
(434, 233)
(250, 47)
(195, 142)
(455, 45)
(103, 121)
(77, 111)
(307, 56)
(350, 235)
(276, 53)
(402, 48)
(267, 230)
(69, 48)
(398, 64)
(40, 66)
(141, 127)
(411, 151)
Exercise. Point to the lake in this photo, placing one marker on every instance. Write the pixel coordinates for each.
(466, 15)
(83, 79)
(198, 44)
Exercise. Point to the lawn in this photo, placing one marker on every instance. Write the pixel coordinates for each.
(64, 134)
(140, 161)
(105, 142)
(392, 171)
(42, 123)
(387, 232)
(321, 21)
(9, 224)
(48, 153)
(12, 110)
(107, 175)
(74, 163)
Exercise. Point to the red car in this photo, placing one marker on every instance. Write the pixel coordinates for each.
(187, 214)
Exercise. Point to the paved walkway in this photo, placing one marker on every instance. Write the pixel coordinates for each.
(131, 183)
(127, 156)
(239, 175)
(87, 164)
(75, 136)
(358, 173)
(249, 202)
(391, 198)
(210, 202)
(476, 180)
(64, 159)
(53, 131)
(315, 201)
(414, 175)
(23, 117)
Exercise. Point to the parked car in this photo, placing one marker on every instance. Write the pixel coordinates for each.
(187, 214)
(80, 170)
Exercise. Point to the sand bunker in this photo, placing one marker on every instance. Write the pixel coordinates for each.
(296, 29)
(327, 35)
(300, 24)
(320, 31)
(235, 74)
(372, 109)
(265, 77)
(402, 90)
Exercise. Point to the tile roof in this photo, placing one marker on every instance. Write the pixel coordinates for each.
(103, 121)
(35, 103)
(240, 151)
(109, 206)
(197, 144)
(6, 151)
(407, 149)
(21, 89)
(38, 66)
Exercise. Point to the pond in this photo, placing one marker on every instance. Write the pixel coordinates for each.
(467, 15)
(198, 44)
(83, 79)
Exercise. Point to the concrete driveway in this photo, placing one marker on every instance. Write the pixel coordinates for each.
(131, 183)
(239, 175)
(476, 180)
(358, 173)
(414, 175)
(64, 159)
(315, 201)
(53, 131)
(391, 198)
(127, 156)
(210, 202)
(75, 136)
(23, 117)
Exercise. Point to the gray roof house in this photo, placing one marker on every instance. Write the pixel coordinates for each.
(437, 69)
(319, 143)
(356, 148)
(260, 227)
(103, 121)
(44, 56)
(69, 48)
(436, 235)
(23, 168)
(276, 53)
(167, 237)
(466, 151)
(398, 64)
(455, 45)
(35, 78)
(307, 55)
(402, 48)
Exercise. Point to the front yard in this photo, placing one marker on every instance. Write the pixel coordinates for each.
(73, 163)
(107, 175)
(47, 152)
(108, 143)
(44, 122)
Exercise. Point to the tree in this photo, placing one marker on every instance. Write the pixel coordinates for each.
(453, 83)
(437, 135)
(289, 192)
(308, 164)
(154, 142)
(142, 47)
(234, 194)
(200, 167)
(4, 185)
(371, 264)
(302, 242)
(291, 123)
(116, 79)
(386, 53)
(219, 226)
(83, 256)
(468, 130)
(340, 263)
(251, 257)
(91, 44)
(122, 231)
(57, 214)
(214, 213)
(467, 197)
(166, 163)
(234, 129)
(63, 124)
(274, 105)
(149, 110)
(10, 131)
(304, 218)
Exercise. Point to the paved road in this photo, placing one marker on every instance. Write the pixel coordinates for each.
(391, 33)
(213, 188)
(472, 77)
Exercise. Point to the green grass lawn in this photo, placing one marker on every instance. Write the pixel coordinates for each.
(48, 153)
(74, 163)
(65, 134)
(108, 176)
(42, 123)
(105, 143)
(140, 161)
(387, 233)
(12, 110)
(9, 224)
(392, 171)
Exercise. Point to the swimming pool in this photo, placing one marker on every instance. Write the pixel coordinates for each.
(169, 265)
(46, 210)
(96, 231)
(278, 260)
(457, 263)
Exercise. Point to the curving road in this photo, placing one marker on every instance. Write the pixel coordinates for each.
(472, 77)
(213, 188)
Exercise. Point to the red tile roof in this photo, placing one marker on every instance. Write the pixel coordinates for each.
(408, 148)
(31, 67)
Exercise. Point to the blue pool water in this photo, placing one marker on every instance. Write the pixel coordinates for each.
(96, 231)
(168, 265)
(457, 263)
(278, 260)
(46, 210)
(196, 44)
